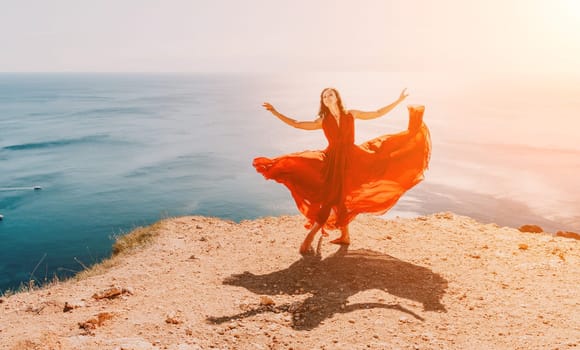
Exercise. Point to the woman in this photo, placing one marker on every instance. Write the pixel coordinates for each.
(332, 186)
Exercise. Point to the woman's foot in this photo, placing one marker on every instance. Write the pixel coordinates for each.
(306, 246)
(341, 241)
(344, 238)
(306, 250)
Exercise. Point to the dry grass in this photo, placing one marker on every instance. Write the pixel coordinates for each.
(124, 244)
(31, 286)
(137, 238)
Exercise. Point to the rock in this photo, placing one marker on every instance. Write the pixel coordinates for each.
(446, 215)
(531, 229)
(172, 320)
(404, 319)
(266, 300)
(559, 253)
(73, 305)
(568, 234)
(523, 246)
(112, 293)
(97, 321)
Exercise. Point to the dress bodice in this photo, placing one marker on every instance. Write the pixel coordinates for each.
(338, 134)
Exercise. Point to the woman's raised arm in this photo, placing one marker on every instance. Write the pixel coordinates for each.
(379, 112)
(313, 125)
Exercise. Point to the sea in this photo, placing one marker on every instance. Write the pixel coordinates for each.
(109, 152)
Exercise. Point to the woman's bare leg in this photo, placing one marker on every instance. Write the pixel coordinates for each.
(306, 246)
(344, 238)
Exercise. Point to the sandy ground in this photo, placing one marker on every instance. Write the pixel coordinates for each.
(436, 282)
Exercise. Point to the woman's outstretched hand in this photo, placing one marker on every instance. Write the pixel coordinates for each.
(269, 107)
(403, 95)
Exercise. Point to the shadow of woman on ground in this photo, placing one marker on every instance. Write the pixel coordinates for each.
(333, 280)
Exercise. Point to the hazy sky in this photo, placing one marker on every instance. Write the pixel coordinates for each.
(302, 35)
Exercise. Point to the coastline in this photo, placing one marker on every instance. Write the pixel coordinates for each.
(203, 282)
(483, 207)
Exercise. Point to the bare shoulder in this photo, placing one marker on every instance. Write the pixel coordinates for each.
(318, 122)
(355, 113)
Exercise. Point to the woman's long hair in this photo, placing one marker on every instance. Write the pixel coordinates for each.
(324, 110)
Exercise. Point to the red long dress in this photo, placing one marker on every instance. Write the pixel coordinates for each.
(334, 185)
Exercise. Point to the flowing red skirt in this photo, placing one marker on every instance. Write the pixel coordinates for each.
(370, 179)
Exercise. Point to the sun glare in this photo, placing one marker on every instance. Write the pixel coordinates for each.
(571, 8)
(563, 17)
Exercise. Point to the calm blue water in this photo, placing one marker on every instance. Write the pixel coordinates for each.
(116, 151)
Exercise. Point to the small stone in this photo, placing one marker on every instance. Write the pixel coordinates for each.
(523, 246)
(96, 321)
(446, 215)
(531, 229)
(172, 320)
(266, 300)
(112, 293)
(72, 305)
(567, 234)
(198, 227)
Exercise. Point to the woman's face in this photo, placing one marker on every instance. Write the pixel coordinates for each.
(329, 98)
